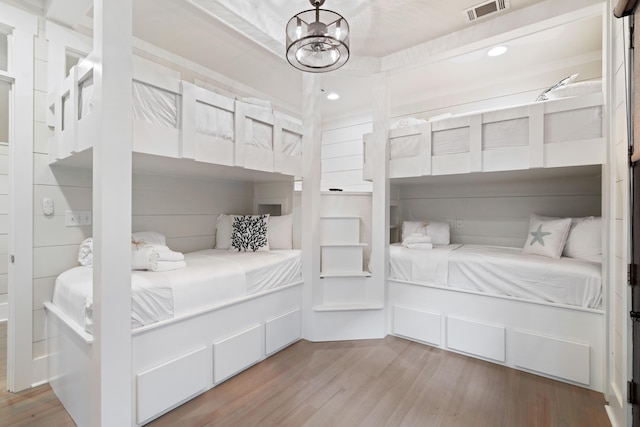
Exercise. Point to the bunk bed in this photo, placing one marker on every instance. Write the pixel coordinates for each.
(553, 133)
(446, 297)
(186, 352)
(176, 119)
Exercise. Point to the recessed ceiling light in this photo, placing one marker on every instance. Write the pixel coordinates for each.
(497, 50)
(333, 96)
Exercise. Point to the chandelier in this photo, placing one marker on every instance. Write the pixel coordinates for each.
(317, 40)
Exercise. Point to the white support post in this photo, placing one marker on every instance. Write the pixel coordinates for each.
(111, 362)
(311, 155)
(20, 269)
(380, 196)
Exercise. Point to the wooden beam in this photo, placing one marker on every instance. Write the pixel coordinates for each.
(112, 158)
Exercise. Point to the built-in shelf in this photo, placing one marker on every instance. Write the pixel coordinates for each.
(345, 280)
(343, 245)
(347, 274)
(347, 307)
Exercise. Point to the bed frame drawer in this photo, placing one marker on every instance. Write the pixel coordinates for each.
(417, 325)
(237, 352)
(282, 331)
(476, 338)
(169, 384)
(552, 356)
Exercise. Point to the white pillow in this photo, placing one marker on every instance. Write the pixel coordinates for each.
(249, 233)
(546, 237)
(280, 233)
(144, 238)
(576, 89)
(438, 231)
(585, 239)
(223, 231)
(544, 95)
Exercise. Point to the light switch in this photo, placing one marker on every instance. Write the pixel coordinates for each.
(77, 218)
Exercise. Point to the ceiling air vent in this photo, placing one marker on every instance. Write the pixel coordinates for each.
(486, 8)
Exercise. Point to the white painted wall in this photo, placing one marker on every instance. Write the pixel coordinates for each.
(4, 211)
(619, 292)
(342, 156)
(496, 212)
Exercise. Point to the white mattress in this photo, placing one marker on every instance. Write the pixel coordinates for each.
(212, 277)
(501, 271)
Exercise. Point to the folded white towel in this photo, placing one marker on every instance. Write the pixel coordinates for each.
(166, 265)
(163, 253)
(85, 253)
(141, 258)
(416, 238)
(145, 258)
(422, 246)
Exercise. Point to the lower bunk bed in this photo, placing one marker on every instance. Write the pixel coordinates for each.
(192, 328)
(525, 311)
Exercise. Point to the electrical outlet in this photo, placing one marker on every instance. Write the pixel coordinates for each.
(459, 224)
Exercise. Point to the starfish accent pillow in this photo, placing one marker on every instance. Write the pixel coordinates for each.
(546, 237)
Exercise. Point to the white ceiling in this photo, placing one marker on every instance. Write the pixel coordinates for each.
(427, 47)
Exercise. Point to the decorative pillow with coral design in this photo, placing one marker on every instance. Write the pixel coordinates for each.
(249, 233)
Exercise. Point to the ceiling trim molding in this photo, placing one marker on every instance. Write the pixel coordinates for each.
(517, 24)
(66, 12)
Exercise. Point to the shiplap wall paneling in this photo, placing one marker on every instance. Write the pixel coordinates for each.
(342, 158)
(185, 209)
(4, 211)
(618, 296)
(497, 213)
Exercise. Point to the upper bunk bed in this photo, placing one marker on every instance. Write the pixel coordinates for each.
(550, 133)
(177, 119)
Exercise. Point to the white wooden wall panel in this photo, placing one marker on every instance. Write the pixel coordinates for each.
(346, 163)
(40, 138)
(4, 211)
(342, 157)
(342, 149)
(42, 291)
(57, 175)
(498, 213)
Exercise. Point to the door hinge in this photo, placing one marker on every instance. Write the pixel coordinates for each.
(632, 396)
(635, 315)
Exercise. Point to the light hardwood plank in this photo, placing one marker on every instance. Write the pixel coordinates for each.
(388, 382)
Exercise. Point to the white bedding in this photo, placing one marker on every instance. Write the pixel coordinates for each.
(211, 277)
(501, 271)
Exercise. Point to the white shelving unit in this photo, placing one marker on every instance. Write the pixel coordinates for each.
(341, 249)
(345, 282)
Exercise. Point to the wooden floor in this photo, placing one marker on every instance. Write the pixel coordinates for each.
(388, 382)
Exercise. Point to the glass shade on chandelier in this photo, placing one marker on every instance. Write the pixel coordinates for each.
(317, 40)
